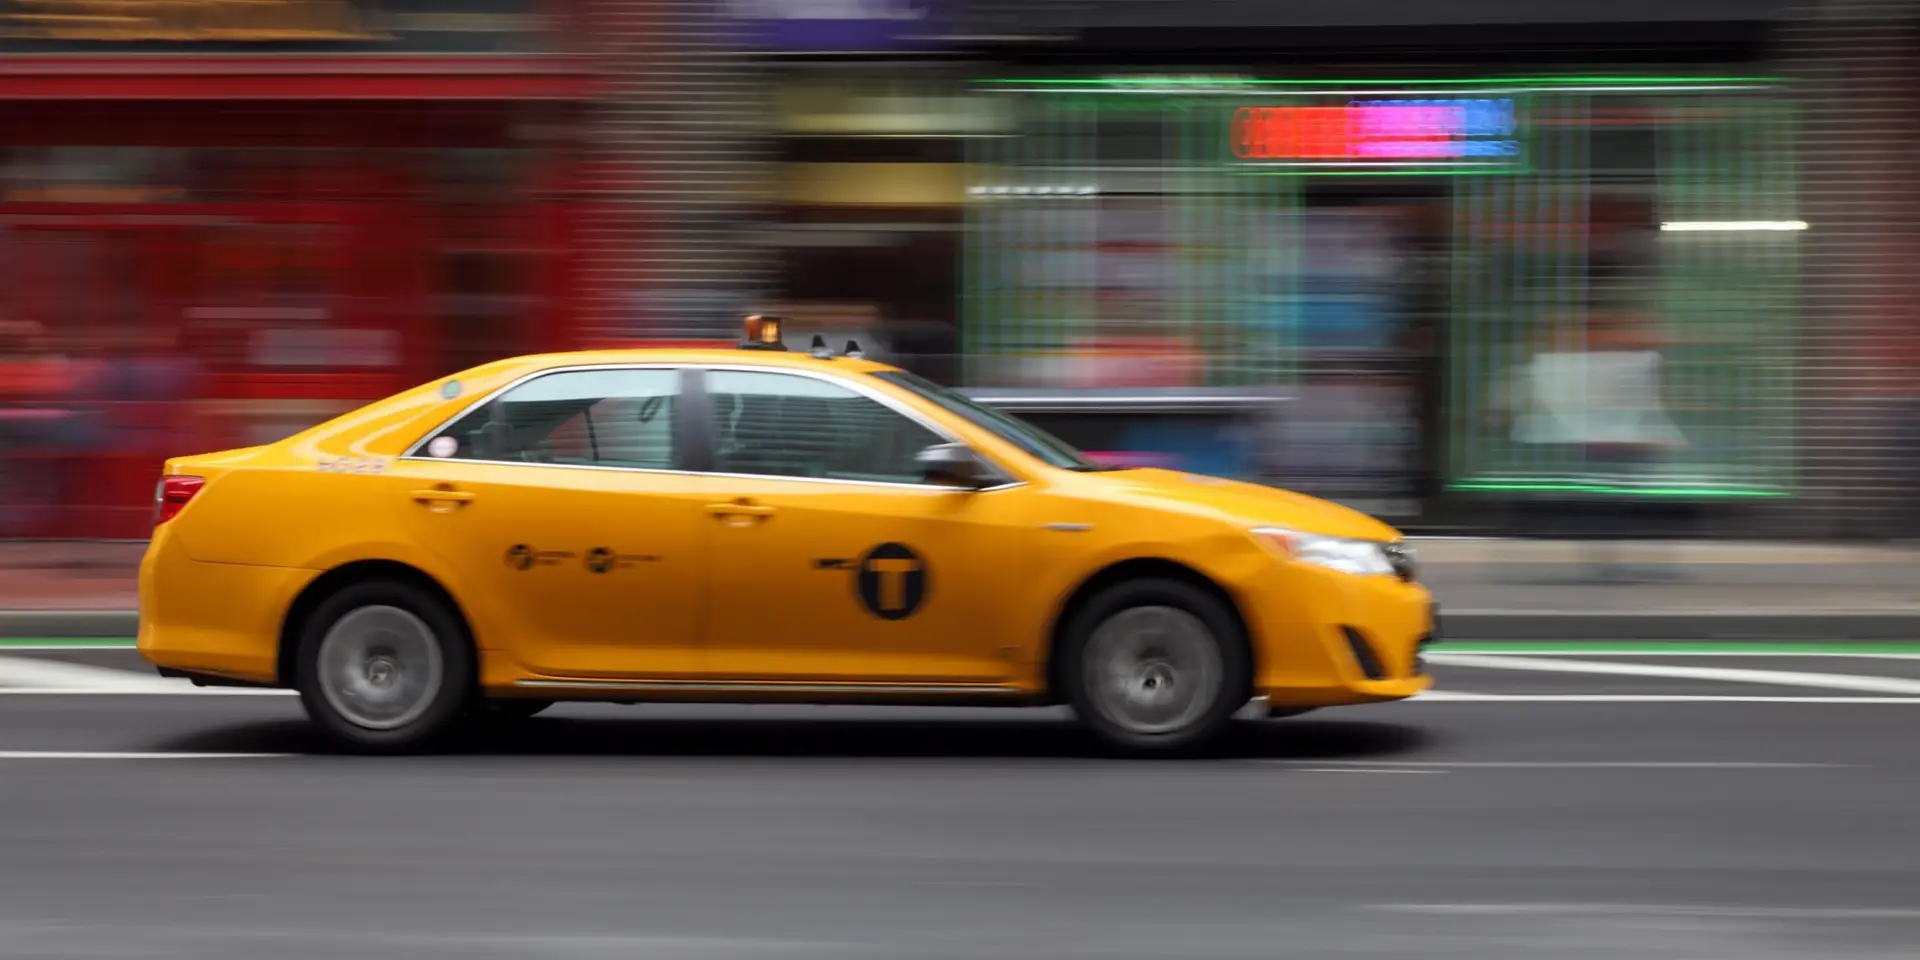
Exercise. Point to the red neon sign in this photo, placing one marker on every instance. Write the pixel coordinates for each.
(1353, 132)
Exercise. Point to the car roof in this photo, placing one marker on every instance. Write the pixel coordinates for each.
(771, 359)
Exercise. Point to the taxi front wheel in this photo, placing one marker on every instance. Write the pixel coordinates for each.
(1156, 666)
(385, 667)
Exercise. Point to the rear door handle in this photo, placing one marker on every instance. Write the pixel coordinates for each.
(739, 510)
(443, 496)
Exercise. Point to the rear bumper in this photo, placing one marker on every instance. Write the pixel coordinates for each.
(215, 621)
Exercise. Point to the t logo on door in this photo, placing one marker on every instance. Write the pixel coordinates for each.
(892, 581)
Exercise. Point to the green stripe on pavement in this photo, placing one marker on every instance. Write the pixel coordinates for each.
(1669, 647)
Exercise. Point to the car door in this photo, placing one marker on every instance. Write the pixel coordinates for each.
(559, 506)
(832, 560)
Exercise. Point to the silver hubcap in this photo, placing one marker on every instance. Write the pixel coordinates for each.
(1153, 670)
(380, 667)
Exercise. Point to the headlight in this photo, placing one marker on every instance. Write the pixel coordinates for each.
(1364, 557)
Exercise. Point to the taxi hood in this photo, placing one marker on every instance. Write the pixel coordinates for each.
(1249, 503)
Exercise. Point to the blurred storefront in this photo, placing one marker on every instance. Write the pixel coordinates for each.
(221, 222)
(868, 115)
(1402, 256)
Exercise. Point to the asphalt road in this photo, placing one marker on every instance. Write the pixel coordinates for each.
(1531, 825)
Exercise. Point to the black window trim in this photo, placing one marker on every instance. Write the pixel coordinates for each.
(693, 425)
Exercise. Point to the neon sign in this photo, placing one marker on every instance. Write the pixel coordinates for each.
(1379, 132)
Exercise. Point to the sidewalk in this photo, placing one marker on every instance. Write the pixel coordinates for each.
(1489, 590)
(1705, 590)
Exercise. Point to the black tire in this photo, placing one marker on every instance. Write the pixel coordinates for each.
(1224, 634)
(511, 710)
(447, 704)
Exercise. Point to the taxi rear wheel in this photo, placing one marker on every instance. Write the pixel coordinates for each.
(1158, 666)
(385, 667)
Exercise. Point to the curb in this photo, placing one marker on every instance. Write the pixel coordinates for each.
(1477, 625)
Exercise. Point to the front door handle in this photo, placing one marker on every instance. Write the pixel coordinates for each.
(441, 495)
(739, 510)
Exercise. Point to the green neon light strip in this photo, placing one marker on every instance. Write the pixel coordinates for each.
(1411, 82)
(1510, 486)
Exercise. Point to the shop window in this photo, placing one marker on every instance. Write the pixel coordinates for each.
(486, 306)
(487, 269)
(267, 299)
(870, 150)
(87, 174)
(79, 289)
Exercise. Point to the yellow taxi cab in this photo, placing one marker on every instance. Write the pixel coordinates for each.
(755, 525)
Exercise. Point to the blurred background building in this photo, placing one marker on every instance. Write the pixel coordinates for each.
(1368, 249)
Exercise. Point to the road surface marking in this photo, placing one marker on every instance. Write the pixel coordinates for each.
(1358, 770)
(25, 672)
(128, 755)
(1565, 764)
(26, 676)
(1838, 651)
(1652, 910)
(180, 688)
(1457, 696)
(1022, 884)
(1776, 678)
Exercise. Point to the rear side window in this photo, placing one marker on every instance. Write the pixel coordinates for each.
(604, 418)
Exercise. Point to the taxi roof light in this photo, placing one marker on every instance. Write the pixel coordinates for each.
(763, 333)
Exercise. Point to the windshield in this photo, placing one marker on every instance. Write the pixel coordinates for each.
(1040, 444)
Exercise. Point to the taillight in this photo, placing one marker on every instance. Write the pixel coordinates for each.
(171, 496)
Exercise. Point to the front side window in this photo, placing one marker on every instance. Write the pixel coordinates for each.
(1037, 443)
(603, 418)
(784, 425)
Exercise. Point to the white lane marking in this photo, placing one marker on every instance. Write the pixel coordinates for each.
(1358, 770)
(1457, 696)
(129, 755)
(1651, 910)
(1021, 884)
(29, 672)
(28, 676)
(1777, 678)
(1566, 764)
(1789, 615)
(1848, 654)
(180, 688)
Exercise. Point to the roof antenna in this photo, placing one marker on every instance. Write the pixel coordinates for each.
(819, 349)
(853, 350)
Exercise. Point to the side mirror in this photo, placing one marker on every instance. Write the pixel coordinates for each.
(953, 464)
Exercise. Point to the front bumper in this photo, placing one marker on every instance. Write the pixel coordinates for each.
(1323, 638)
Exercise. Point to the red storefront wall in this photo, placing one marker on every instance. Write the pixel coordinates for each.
(203, 253)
